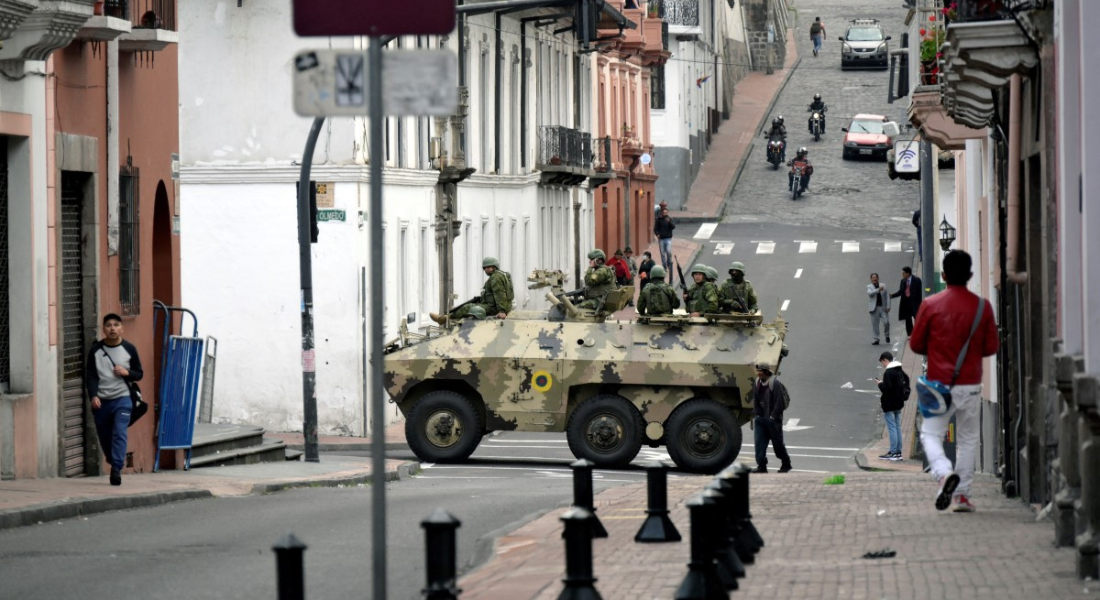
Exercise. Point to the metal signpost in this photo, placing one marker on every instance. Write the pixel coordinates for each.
(336, 86)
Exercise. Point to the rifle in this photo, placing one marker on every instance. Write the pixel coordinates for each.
(474, 300)
(680, 272)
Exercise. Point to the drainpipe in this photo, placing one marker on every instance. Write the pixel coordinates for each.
(1013, 256)
(498, 81)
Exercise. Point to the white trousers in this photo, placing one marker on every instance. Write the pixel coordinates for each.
(966, 404)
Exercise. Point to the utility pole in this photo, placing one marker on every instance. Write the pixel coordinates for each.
(305, 266)
(928, 215)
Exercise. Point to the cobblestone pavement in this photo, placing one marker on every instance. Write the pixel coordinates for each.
(815, 537)
(843, 193)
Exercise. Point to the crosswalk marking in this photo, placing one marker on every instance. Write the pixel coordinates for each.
(765, 247)
(892, 247)
(849, 247)
(798, 274)
(786, 303)
(807, 247)
(723, 248)
(705, 231)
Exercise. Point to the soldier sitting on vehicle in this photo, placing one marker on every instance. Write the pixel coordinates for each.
(657, 298)
(495, 299)
(736, 294)
(598, 280)
(701, 298)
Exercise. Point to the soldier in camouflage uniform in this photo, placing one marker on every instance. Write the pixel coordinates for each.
(703, 296)
(495, 299)
(657, 298)
(598, 280)
(736, 294)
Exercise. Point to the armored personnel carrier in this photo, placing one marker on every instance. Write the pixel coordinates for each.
(611, 385)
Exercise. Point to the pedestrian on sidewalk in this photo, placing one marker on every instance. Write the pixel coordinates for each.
(645, 268)
(622, 271)
(631, 264)
(895, 389)
(946, 326)
(769, 400)
(879, 307)
(112, 364)
(817, 34)
(911, 294)
(663, 230)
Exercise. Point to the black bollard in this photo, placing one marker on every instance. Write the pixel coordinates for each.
(579, 578)
(701, 581)
(746, 522)
(657, 526)
(440, 554)
(583, 495)
(289, 572)
(724, 551)
(712, 514)
(745, 550)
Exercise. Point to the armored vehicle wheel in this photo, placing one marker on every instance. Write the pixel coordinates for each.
(443, 427)
(606, 430)
(702, 436)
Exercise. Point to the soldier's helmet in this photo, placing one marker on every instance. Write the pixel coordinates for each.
(489, 261)
(700, 268)
(712, 273)
(657, 272)
(737, 266)
(477, 312)
(597, 253)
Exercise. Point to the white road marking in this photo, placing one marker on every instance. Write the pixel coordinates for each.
(765, 247)
(798, 274)
(849, 247)
(892, 247)
(792, 425)
(810, 448)
(724, 248)
(787, 303)
(562, 469)
(510, 441)
(866, 391)
(505, 445)
(807, 247)
(902, 219)
(705, 231)
(847, 386)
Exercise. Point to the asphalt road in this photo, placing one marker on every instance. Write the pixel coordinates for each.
(812, 255)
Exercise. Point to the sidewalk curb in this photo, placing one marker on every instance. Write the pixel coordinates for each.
(42, 513)
(21, 517)
(349, 447)
(403, 471)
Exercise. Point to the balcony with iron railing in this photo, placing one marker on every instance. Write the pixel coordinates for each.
(565, 154)
(682, 16)
(152, 23)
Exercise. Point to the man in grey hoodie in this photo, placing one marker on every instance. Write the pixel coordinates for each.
(112, 364)
(894, 386)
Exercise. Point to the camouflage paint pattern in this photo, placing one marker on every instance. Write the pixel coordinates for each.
(528, 373)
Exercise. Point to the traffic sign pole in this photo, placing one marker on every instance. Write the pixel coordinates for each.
(378, 431)
(305, 265)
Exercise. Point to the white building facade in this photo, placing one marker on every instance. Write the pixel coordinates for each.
(241, 144)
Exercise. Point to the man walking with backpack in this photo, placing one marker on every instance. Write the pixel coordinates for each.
(817, 34)
(894, 386)
(769, 400)
(112, 365)
(954, 329)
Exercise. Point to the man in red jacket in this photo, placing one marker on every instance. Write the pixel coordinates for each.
(943, 325)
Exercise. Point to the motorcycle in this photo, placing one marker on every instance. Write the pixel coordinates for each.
(796, 182)
(815, 126)
(775, 152)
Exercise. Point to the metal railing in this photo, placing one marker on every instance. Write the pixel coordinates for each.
(144, 14)
(681, 12)
(562, 146)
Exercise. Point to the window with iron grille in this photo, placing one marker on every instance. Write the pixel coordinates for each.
(129, 233)
(5, 303)
(657, 87)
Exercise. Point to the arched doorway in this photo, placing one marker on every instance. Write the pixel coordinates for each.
(164, 274)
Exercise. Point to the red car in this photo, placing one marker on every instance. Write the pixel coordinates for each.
(864, 136)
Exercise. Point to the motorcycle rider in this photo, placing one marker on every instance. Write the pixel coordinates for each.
(779, 132)
(807, 168)
(818, 106)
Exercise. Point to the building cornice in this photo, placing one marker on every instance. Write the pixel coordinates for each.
(51, 26)
(260, 173)
(12, 14)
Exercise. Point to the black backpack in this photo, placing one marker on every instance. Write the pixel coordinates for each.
(905, 387)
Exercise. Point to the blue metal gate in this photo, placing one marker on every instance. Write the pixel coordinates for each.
(180, 378)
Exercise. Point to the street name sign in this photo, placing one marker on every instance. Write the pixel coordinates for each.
(333, 83)
(373, 17)
(907, 156)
